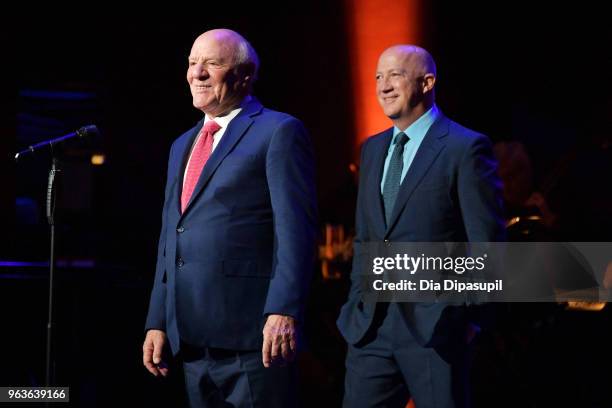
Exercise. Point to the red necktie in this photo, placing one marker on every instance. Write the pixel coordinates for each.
(199, 156)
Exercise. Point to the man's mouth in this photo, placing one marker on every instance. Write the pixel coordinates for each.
(389, 99)
(201, 88)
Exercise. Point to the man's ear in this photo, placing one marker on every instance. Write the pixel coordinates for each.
(429, 81)
(246, 81)
(245, 73)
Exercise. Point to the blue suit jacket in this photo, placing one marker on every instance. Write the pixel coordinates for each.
(451, 193)
(244, 247)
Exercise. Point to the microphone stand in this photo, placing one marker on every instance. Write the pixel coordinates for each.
(54, 175)
(54, 178)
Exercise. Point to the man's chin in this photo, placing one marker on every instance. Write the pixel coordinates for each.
(204, 107)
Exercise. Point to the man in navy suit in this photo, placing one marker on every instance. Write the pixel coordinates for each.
(426, 179)
(237, 242)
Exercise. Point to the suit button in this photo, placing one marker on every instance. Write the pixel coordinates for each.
(180, 229)
(180, 262)
(387, 242)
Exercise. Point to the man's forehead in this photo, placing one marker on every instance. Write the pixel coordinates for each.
(392, 61)
(398, 59)
(210, 46)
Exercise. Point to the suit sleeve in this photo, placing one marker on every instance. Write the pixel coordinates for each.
(290, 172)
(361, 230)
(480, 193)
(156, 317)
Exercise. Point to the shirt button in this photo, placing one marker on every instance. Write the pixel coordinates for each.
(180, 229)
(387, 242)
(180, 262)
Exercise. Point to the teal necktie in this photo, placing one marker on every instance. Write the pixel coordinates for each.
(394, 175)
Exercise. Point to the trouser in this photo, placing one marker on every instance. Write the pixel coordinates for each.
(389, 366)
(225, 378)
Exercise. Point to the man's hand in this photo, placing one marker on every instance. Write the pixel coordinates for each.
(152, 349)
(279, 340)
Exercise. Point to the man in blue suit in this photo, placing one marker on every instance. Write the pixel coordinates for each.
(237, 242)
(426, 179)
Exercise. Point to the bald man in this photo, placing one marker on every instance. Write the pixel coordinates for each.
(237, 242)
(426, 179)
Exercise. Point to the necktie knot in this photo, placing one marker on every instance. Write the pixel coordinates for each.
(401, 139)
(211, 127)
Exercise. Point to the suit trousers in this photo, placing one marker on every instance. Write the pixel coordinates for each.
(389, 366)
(216, 378)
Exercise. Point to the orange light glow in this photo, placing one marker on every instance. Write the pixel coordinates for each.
(372, 27)
(98, 159)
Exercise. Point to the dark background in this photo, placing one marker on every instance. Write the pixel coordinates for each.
(541, 77)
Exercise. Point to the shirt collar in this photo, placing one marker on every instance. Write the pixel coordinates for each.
(418, 129)
(224, 121)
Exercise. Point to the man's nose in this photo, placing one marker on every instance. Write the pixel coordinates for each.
(200, 71)
(385, 86)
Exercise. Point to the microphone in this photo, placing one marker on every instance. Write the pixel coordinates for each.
(85, 131)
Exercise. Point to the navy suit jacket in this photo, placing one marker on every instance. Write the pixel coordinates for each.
(451, 193)
(244, 247)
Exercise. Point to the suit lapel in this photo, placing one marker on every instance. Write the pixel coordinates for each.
(426, 154)
(234, 132)
(380, 147)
